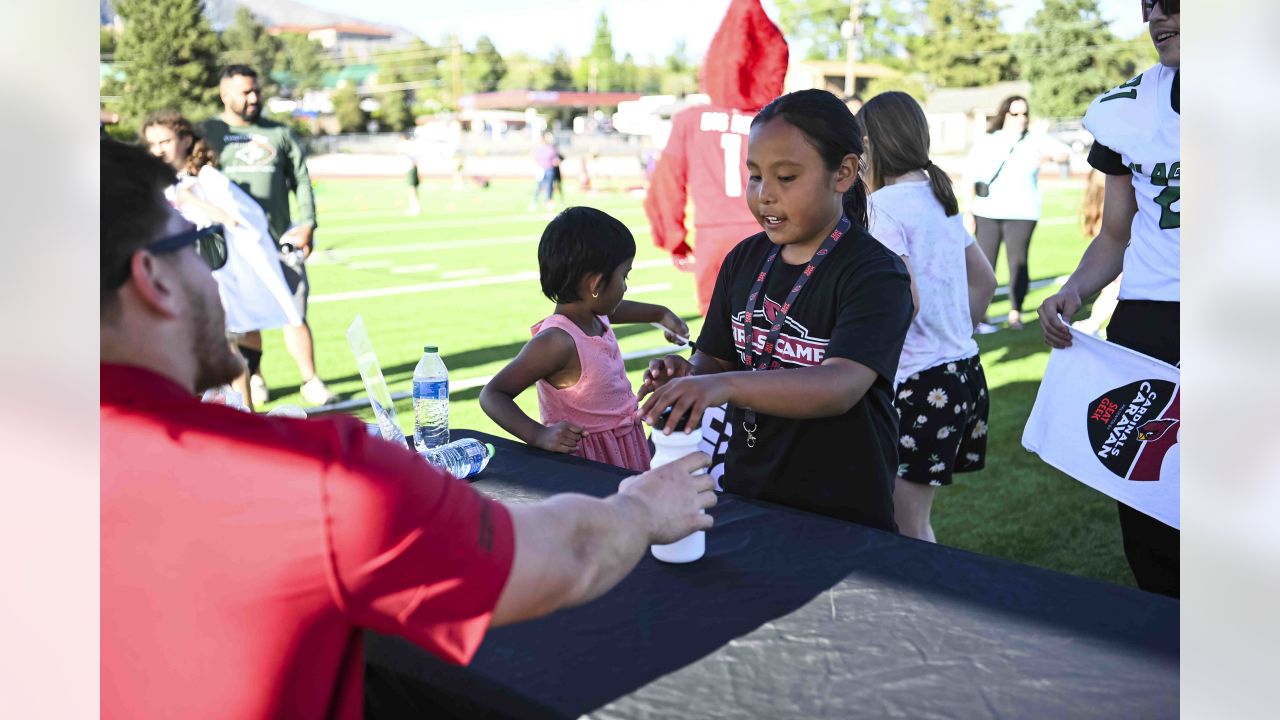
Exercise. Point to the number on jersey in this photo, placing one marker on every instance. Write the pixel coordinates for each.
(732, 146)
(1120, 92)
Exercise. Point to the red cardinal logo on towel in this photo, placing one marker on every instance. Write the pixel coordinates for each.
(1154, 430)
(1132, 428)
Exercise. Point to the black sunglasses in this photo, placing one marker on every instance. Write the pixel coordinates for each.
(1169, 7)
(210, 242)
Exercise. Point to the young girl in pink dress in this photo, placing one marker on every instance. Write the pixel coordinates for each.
(587, 405)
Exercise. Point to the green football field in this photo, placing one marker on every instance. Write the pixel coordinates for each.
(463, 275)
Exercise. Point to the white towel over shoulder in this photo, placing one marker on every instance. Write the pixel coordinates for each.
(251, 284)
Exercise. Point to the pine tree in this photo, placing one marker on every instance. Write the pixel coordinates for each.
(395, 107)
(885, 28)
(484, 69)
(599, 69)
(169, 53)
(628, 74)
(558, 74)
(303, 60)
(680, 75)
(247, 42)
(346, 108)
(1070, 56)
(963, 45)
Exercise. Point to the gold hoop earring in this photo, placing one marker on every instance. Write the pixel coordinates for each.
(595, 294)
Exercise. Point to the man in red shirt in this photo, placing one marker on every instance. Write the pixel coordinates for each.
(706, 153)
(242, 554)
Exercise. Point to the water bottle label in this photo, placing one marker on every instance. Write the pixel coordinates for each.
(430, 390)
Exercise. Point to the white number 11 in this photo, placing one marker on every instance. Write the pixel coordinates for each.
(732, 145)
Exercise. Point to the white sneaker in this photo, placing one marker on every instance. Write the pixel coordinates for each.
(258, 392)
(316, 392)
(985, 328)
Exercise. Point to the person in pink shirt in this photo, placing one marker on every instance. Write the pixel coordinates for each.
(588, 407)
(547, 158)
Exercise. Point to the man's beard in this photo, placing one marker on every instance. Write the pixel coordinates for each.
(217, 364)
(250, 115)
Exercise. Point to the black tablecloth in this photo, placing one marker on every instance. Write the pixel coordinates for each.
(795, 615)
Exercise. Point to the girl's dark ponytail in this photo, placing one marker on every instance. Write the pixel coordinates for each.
(855, 203)
(942, 190)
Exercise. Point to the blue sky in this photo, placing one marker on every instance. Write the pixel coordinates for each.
(641, 27)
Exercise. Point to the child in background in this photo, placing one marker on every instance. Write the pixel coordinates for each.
(587, 405)
(1091, 215)
(941, 399)
(804, 327)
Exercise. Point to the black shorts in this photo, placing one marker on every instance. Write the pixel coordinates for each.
(942, 422)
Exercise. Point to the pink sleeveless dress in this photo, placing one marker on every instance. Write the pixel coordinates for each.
(602, 402)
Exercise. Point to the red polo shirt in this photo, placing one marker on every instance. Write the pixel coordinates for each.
(242, 554)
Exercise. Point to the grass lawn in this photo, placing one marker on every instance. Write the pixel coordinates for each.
(463, 275)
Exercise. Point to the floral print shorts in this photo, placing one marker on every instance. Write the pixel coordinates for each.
(942, 422)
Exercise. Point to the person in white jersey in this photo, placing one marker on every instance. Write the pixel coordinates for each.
(1136, 130)
(940, 388)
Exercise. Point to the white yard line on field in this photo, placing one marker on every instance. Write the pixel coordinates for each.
(526, 276)
(424, 287)
(339, 255)
(464, 273)
(410, 269)
(368, 265)
(487, 221)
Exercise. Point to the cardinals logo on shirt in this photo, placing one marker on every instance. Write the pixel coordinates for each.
(794, 347)
(1132, 428)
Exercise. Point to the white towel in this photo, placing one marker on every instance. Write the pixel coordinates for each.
(251, 284)
(1108, 417)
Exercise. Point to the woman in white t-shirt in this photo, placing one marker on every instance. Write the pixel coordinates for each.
(1004, 192)
(940, 389)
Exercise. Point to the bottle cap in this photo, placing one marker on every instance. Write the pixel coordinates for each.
(431, 349)
(492, 450)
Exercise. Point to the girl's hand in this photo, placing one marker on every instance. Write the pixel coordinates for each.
(662, 370)
(676, 330)
(690, 395)
(562, 437)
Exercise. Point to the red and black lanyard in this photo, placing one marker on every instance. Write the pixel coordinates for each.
(767, 352)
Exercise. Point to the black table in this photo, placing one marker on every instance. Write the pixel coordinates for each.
(795, 615)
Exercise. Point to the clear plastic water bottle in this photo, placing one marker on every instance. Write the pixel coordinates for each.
(430, 401)
(461, 458)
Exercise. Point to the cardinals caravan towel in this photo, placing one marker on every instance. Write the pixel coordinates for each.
(1108, 417)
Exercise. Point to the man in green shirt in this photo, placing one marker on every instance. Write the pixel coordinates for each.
(266, 160)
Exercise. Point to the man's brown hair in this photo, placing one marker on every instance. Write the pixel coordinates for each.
(133, 211)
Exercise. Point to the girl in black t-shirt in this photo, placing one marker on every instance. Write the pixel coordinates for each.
(819, 298)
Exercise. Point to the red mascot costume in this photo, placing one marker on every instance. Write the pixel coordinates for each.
(707, 152)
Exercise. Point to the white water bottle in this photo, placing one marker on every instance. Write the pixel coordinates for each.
(430, 401)
(668, 448)
(460, 458)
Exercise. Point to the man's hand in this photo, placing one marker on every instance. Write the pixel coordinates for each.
(672, 498)
(677, 330)
(1066, 302)
(562, 437)
(662, 370)
(690, 395)
(300, 237)
(682, 258)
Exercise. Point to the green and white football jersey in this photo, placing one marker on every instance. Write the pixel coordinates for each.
(1138, 121)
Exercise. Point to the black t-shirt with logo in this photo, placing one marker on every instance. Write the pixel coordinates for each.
(857, 305)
